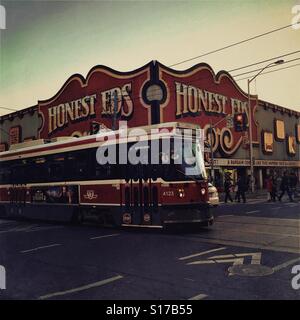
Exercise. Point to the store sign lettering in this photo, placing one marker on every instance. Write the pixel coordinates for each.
(72, 111)
(59, 116)
(192, 100)
(123, 101)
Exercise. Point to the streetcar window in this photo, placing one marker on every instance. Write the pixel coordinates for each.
(18, 174)
(4, 175)
(40, 170)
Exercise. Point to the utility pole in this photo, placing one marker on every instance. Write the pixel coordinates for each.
(250, 139)
(212, 154)
(250, 121)
(115, 109)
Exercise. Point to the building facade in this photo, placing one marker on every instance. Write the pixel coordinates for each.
(154, 94)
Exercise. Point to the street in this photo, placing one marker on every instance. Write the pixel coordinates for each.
(247, 254)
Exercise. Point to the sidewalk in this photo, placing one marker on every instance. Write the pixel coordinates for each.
(257, 194)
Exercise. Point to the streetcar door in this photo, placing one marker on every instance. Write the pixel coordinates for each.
(132, 202)
(19, 194)
(137, 204)
(141, 191)
(145, 190)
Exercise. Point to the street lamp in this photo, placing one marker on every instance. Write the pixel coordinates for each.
(250, 120)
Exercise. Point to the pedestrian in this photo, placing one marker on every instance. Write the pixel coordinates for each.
(242, 187)
(285, 187)
(236, 189)
(274, 188)
(293, 184)
(269, 187)
(248, 182)
(227, 188)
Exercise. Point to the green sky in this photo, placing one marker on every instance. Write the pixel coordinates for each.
(47, 41)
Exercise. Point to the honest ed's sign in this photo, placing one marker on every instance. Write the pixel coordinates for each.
(149, 95)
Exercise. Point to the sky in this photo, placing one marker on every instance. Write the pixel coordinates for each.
(45, 42)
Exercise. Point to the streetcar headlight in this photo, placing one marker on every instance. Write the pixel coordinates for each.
(181, 193)
(203, 191)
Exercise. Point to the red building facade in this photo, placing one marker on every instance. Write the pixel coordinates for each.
(153, 94)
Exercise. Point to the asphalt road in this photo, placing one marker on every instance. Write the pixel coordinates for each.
(52, 261)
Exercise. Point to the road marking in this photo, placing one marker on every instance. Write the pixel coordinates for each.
(44, 228)
(243, 244)
(236, 259)
(16, 229)
(199, 297)
(202, 262)
(286, 264)
(188, 279)
(223, 256)
(226, 215)
(254, 211)
(292, 205)
(86, 287)
(39, 248)
(201, 253)
(256, 256)
(106, 236)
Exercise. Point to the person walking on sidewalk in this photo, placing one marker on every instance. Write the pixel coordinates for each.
(293, 184)
(269, 186)
(236, 190)
(274, 188)
(285, 187)
(227, 188)
(242, 187)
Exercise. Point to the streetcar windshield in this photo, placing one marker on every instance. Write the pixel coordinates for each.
(186, 162)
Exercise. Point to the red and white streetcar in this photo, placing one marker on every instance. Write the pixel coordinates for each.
(61, 179)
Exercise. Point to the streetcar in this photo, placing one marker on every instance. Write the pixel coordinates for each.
(66, 179)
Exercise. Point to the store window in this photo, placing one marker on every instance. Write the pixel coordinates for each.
(291, 145)
(279, 130)
(268, 142)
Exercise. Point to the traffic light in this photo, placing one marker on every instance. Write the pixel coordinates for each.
(95, 127)
(240, 122)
